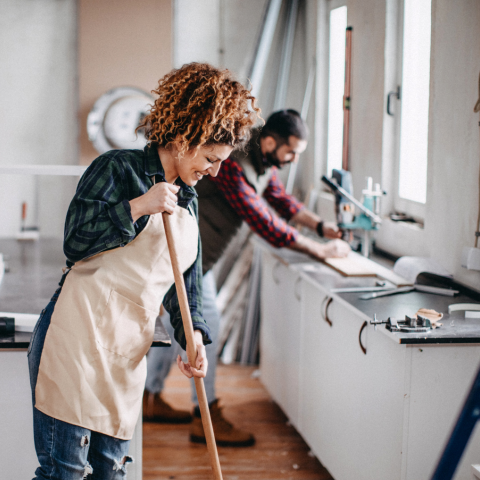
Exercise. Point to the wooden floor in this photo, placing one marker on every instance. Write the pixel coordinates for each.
(279, 453)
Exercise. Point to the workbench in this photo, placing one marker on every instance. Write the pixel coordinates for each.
(371, 404)
(35, 268)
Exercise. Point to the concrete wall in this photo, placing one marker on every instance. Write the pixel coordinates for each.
(38, 102)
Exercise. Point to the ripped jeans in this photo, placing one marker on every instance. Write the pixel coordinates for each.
(65, 451)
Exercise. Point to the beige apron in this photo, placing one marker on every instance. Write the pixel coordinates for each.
(258, 182)
(93, 368)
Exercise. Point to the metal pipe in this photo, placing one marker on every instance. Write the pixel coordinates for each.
(286, 59)
(304, 112)
(264, 43)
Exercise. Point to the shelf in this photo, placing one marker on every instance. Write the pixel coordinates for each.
(64, 170)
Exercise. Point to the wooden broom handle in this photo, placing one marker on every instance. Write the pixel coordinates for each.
(192, 349)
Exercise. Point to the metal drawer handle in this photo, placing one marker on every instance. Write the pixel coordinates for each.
(297, 294)
(364, 350)
(275, 278)
(395, 94)
(328, 301)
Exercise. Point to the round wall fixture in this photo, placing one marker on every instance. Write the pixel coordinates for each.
(114, 117)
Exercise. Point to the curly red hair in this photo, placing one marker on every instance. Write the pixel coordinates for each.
(200, 105)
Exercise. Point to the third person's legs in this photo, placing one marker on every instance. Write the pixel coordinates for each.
(159, 363)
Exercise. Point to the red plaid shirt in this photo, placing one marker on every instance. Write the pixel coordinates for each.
(254, 210)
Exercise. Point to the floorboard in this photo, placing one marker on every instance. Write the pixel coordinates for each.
(279, 453)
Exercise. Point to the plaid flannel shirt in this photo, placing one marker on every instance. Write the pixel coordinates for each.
(253, 209)
(99, 219)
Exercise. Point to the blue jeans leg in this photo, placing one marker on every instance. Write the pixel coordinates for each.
(65, 451)
(212, 317)
(160, 359)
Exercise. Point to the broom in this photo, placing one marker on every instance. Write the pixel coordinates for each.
(192, 349)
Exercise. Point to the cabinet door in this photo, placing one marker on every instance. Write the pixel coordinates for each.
(280, 335)
(316, 361)
(438, 381)
(331, 381)
(269, 333)
(351, 413)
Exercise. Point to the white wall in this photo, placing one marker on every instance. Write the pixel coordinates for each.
(196, 32)
(454, 140)
(220, 32)
(38, 105)
(454, 147)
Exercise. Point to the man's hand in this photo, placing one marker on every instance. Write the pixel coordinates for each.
(160, 198)
(335, 248)
(201, 362)
(331, 230)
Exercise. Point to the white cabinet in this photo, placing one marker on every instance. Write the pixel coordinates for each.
(345, 415)
(381, 415)
(280, 336)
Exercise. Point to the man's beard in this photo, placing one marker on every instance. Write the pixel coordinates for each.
(271, 159)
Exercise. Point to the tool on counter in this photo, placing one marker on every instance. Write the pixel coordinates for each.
(432, 315)
(7, 326)
(345, 204)
(26, 233)
(192, 349)
(24, 322)
(419, 288)
(472, 310)
(414, 324)
(362, 289)
(2, 267)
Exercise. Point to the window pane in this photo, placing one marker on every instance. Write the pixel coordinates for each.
(336, 87)
(415, 100)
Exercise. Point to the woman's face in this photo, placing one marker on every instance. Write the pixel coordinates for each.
(195, 164)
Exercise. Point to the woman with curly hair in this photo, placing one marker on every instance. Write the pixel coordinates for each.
(87, 355)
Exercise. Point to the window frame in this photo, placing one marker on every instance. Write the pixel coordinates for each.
(415, 209)
(332, 5)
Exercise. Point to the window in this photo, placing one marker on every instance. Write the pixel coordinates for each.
(336, 86)
(415, 93)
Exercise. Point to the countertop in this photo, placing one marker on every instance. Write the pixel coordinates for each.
(35, 268)
(455, 329)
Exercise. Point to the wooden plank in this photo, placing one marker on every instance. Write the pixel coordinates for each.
(350, 267)
(356, 265)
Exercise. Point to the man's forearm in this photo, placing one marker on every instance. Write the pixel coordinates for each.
(312, 221)
(320, 251)
(306, 218)
(308, 246)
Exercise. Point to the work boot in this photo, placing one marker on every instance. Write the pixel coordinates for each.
(226, 435)
(155, 409)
